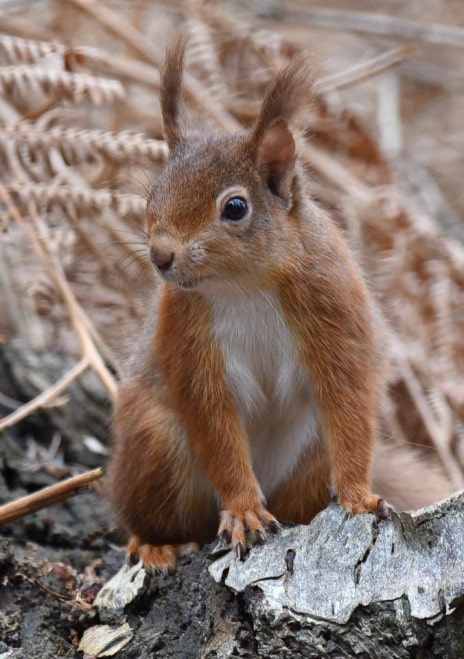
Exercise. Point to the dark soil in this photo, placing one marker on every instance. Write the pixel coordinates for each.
(51, 560)
(43, 558)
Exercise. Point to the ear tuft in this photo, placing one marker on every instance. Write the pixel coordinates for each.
(275, 157)
(170, 90)
(271, 141)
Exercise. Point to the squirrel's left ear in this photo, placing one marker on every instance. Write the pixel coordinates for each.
(271, 141)
(275, 156)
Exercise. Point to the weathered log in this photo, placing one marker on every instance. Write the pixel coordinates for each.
(340, 587)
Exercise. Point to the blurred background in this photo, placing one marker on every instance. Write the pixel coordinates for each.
(81, 139)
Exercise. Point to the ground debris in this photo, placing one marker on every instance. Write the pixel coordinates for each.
(105, 641)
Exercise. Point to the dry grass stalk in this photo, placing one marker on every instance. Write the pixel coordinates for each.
(48, 496)
(22, 28)
(123, 68)
(118, 26)
(47, 396)
(379, 24)
(78, 317)
(365, 70)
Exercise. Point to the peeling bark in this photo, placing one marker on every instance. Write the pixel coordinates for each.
(340, 587)
(340, 563)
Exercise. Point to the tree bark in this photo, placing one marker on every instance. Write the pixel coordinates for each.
(340, 587)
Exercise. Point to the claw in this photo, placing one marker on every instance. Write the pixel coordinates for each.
(273, 526)
(260, 537)
(383, 510)
(225, 537)
(239, 523)
(132, 558)
(240, 551)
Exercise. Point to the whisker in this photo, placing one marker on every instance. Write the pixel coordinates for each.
(136, 229)
(104, 244)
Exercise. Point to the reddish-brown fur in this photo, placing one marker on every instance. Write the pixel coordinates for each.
(181, 451)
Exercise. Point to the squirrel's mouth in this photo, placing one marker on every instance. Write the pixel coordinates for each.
(189, 284)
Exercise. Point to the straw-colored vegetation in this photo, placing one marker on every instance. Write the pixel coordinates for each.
(80, 139)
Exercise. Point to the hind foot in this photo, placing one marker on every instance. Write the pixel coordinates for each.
(158, 558)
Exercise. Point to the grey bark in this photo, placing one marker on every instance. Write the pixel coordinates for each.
(340, 587)
(330, 568)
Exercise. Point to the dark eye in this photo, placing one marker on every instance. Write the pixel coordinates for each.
(235, 209)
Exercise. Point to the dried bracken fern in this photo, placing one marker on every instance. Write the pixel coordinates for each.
(122, 147)
(15, 49)
(80, 200)
(68, 179)
(25, 80)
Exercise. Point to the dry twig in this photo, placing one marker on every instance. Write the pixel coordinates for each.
(61, 491)
(79, 319)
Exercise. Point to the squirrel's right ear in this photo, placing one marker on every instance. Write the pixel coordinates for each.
(170, 90)
(275, 156)
(271, 141)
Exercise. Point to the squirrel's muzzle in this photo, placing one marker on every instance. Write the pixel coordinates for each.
(162, 259)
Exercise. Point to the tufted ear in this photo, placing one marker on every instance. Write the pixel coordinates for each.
(275, 158)
(271, 141)
(170, 90)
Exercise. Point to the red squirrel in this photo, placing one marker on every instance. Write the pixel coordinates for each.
(257, 389)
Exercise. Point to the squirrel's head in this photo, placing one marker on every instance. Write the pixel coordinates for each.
(222, 209)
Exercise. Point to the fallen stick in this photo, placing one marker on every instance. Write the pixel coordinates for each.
(46, 397)
(48, 496)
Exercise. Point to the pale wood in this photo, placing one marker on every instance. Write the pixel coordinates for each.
(48, 496)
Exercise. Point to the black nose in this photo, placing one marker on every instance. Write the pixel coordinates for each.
(162, 259)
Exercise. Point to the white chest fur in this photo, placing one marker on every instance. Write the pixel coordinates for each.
(271, 391)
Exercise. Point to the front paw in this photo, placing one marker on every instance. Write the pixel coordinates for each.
(369, 503)
(237, 521)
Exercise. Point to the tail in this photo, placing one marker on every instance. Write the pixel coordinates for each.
(407, 480)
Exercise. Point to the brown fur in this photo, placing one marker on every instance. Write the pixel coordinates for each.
(170, 91)
(181, 453)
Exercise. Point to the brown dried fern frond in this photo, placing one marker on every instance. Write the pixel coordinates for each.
(23, 80)
(271, 46)
(28, 51)
(122, 148)
(83, 200)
